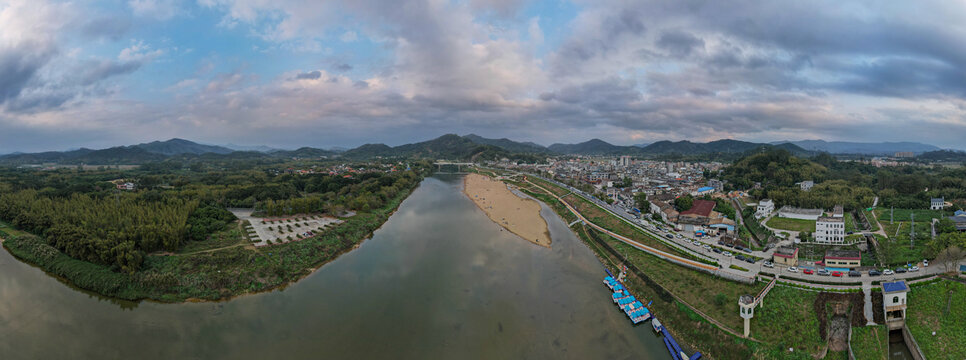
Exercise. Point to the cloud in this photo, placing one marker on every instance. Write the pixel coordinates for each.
(679, 43)
(348, 36)
(311, 75)
(158, 9)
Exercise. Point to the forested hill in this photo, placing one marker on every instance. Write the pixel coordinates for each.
(777, 167)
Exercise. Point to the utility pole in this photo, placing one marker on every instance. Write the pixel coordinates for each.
(892, 214)
(912, 230)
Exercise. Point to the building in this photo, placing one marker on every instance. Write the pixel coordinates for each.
(785, 256)
(838, 211)
(843, 258)
(904, 154)
(704, 191)
(698, 215)
(937, 203)
(765, 208)
(718, 185)
(625, 161)
(830, 230)
(894, 303)
(959, 220)
(799, 213)
(125, 186)
(807, 185)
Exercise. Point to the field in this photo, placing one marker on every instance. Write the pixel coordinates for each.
(849, 223)
(791, 224)
(790, 310)
(870, 342)
(872, 223)
(941, 307)
(898, 249)
(922, 215)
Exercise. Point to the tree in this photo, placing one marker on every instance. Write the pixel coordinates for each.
(684, 203)
(640, 199)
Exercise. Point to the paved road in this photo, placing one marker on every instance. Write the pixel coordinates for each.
(681, 241)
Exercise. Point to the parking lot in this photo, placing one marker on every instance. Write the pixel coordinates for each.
(268, 231)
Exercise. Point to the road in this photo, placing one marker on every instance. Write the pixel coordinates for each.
(684, 242)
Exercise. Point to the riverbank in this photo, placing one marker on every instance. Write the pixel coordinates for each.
(518, 215)
(207, 276)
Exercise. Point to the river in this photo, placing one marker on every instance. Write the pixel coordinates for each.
(438, 281)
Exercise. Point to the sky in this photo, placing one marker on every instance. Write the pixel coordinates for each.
(322, 73)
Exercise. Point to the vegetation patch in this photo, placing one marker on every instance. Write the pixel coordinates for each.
(938, 307)
(791, 224)
(870, 342)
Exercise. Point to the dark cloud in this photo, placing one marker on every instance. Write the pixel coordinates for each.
(101, 70)
(19, 65)
(112, 28)
(343, 67)
(311, 75)
(679, 43)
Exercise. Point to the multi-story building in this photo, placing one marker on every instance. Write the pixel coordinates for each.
(765, 207)
(807, 185)
(786, 256)
(830, 230)
(937, 203)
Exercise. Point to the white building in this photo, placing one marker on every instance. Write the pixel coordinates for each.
(830, 230)
(807, 185)
(838, 211)
(765, 207)
(799, 213)
(894, 303)
(625, 161)
(937, 203)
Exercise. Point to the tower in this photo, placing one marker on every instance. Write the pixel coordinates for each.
(746, 305)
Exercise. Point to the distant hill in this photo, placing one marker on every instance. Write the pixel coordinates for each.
(303, 152)
(508, 145)
(594, 147)
(845, 147)
(943, 155)
(259, 148)
(181, 146)
(724, 146)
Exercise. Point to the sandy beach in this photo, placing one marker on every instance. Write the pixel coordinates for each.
(518, 215)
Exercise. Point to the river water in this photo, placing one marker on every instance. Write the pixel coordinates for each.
(438, 281)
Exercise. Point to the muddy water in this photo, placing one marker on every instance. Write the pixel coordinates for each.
(438, 281)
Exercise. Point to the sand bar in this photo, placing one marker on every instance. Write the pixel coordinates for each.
(518, 215)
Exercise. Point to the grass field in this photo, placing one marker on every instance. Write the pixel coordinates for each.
(791, 311)
(872, 223)
(932, 308)
(922, 215)
(898, 249)
(849, 223)
(791, 224)
(870, 342)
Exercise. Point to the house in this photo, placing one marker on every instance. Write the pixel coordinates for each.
(830, 230)
(718, 185)
(843, 258)
(838, 211)
(959, 220)
(700, 214)
(703, 191)
(807, 185)
(125, 186)
(786, 256)
(937, 203)
(765, 208)
(894, 303)
(798, 213)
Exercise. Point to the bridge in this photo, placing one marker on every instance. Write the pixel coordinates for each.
(459, 165)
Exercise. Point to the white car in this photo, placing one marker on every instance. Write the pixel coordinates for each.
(887, 272)
(727, 253)
(793, 269)
(914, 268)
(925, 263)
(768, 264)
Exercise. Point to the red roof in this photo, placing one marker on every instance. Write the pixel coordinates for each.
(700, 207)
(788, 256)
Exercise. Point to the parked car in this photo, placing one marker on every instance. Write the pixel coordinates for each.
(836, 274)
(768, 264)
(729, 245)
(874, 272)
(913, 268)
(717, 250)
(727, 253)
(900, 270)
(669, 236)
(793, 269)
(822, 272)
(721, 243)
(854, 273)
(808, 271)
(925, 263)
(747, 250)
(750, 260)
(887, 272)
(739, 257)
(707, 247)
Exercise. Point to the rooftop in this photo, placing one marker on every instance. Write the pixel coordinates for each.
(786, 252)
(830, 219)
(896, 286)
(795, 210)
(700, 207)
(843, 254)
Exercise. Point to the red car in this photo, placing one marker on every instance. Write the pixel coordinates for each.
(837, 273)
(808, 271)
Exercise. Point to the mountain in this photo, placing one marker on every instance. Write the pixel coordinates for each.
(507, 144)
(303, 152)
(181, 146)
(723, 146)
(642, 145)
(259, 148)
(594, 147)
(943, 155)
(369, 150)
(845, 147)
(449, 146)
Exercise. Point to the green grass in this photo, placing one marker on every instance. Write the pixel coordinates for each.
(228, 237)
(736, 267)
(870, 342)
(791, 224)
(849, 223)
(927, 313)
(922, 215)
(872, 223)
(10, 230)
(787, 318)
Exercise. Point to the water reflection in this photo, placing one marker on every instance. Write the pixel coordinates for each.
(438, 281)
